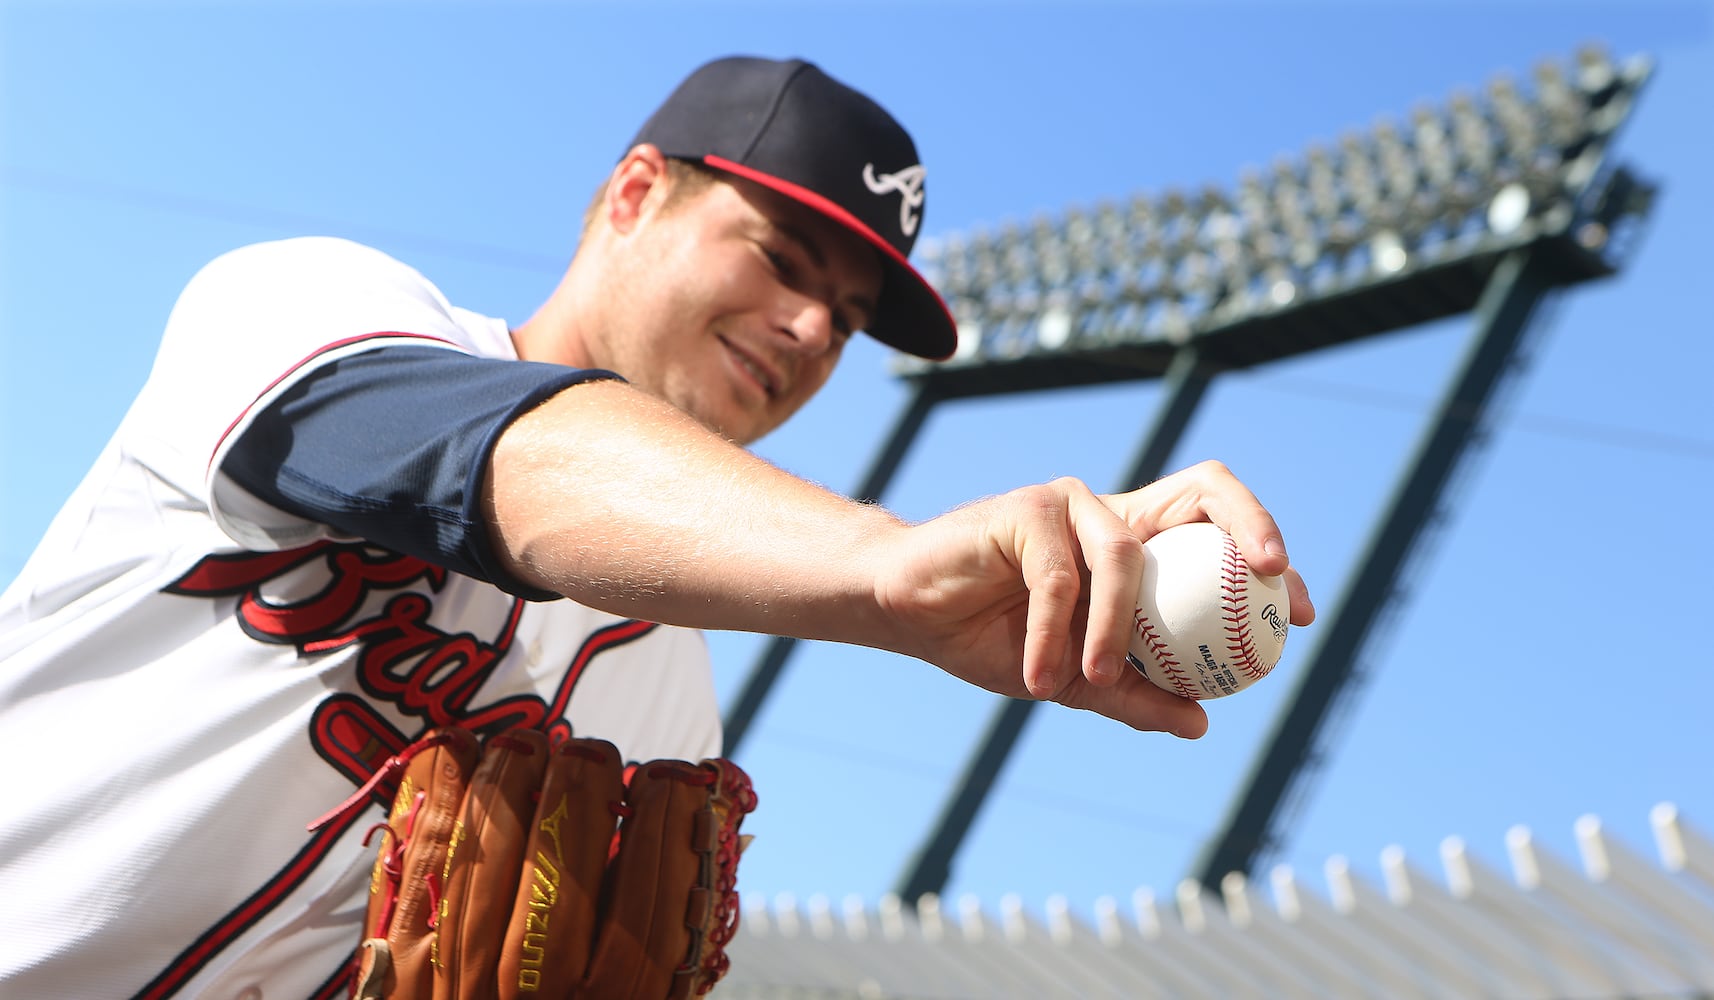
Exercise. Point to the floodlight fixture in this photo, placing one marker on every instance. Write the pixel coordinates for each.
(1375, 231)
(1482, 206)
(1479, 206)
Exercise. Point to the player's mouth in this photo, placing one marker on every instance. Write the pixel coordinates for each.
(766, 378)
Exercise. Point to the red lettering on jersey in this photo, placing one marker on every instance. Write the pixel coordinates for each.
(353, 572)
(215, 576)
(426, 671)
(402, 660)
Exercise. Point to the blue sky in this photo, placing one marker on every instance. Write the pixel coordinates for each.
(1549, 658)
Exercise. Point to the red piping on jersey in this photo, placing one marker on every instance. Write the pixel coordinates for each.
(325, 348)
(339, 986)
(600, 641)
(174, 976)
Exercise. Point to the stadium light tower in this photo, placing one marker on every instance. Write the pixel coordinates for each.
(1481, 205)
(1543, 208)
(1374, 232)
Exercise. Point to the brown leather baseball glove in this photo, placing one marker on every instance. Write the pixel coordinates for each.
(516, 869)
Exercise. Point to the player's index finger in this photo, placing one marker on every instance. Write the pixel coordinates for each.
(1207, 491)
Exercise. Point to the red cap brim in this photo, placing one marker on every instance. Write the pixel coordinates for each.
(911, 315)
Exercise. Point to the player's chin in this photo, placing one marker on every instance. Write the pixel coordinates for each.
(746, 424)
(731, 423)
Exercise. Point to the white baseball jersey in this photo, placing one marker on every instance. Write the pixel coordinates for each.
(189, 676)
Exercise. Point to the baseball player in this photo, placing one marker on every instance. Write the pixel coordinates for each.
(343, 511)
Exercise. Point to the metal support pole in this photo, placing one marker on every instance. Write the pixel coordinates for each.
(773, 659)
(1516, 287)
(931, 865)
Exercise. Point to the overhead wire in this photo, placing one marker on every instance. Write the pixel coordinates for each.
(271, 218)
(1592, 431)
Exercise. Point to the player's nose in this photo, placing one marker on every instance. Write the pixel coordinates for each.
(811, 326)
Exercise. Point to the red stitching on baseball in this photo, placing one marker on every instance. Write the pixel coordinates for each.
(1241, 644)
(1162, 654)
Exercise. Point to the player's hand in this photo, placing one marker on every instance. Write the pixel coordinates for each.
(1031, 594)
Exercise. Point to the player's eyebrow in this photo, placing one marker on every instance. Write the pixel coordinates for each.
(864, 304)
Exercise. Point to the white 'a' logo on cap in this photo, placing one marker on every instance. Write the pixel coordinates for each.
(908, 183)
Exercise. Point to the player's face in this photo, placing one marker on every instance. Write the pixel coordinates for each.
(750, 298)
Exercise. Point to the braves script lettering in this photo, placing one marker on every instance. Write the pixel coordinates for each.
(402, 659)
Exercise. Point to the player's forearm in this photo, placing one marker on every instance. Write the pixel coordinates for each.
(621, 502)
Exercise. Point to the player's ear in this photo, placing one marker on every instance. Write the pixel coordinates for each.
(643, 171)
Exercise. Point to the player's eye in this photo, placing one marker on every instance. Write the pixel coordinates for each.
(781, 263)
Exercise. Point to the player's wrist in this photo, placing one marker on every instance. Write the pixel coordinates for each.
(843, 572)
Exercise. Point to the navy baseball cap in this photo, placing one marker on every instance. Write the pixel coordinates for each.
(789, 126)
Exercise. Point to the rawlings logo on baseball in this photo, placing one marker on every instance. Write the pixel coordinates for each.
(1206, 626)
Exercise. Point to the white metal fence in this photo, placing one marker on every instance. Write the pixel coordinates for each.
(1615, 925)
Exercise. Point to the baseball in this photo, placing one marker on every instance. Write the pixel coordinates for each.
(1206, 625)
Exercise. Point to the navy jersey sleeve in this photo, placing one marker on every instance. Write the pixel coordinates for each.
(391, 446)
